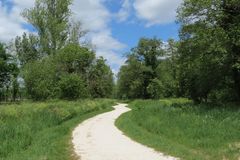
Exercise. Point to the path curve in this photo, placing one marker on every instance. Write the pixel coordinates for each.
(99, 139)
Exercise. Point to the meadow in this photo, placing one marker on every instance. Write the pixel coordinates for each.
(42, 130)
(179, 128)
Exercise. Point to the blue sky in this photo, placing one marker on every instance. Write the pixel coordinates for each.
(114, 26)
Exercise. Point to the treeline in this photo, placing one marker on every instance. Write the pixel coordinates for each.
(203, 65)
(151, 71)
(51, 63)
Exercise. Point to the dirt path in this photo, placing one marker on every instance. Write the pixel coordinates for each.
(98, 139)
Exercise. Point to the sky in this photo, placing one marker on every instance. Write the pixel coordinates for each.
(114, 26)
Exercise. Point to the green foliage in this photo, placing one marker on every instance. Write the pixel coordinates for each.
(70, 74)
(27, 48)
(131, 79)
(167, 78)
(53, 63)
(43, 130)
(208, 48)
(150, 71)
(155, 89)
(100, 79)
(8, 75)
(75, 59)
(179, 128)
(40, 79)
(149, 50)
(72, 87)
(4, 67)
(51, 20)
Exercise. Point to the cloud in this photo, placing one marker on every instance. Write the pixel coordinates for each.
(100, 39)
(95, 18)
(92, 14)
(18, 6)
(125, 10)
(156, 11)
(10, 24)
(23, 4)
(108, 47)
(10, 19)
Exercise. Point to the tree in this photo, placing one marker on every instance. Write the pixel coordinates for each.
(208, 48)
(230, 23)
(8, 72)
(149, 50)
(4, 71)
(41, 80)
(50, 18)
(100, 79)
(156, 89)
(139, 77)
(168, 70)
(131, 78)
(75, 59)
(53, 58)
(27, 48)
(166, 80)
(73, 87)
(72, 73)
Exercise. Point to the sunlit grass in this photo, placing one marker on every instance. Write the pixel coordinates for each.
(179, 128)
(42, 131)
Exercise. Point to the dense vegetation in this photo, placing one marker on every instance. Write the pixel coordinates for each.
(203, 65)
(147, 73)
(52, 63)
(8, 75)
(55, 62)
(43, 130)
(179, 128)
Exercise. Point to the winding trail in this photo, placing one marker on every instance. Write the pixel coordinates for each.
(99, 139)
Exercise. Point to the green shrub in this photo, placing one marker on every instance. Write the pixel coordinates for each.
(72, 87)
(40, 79)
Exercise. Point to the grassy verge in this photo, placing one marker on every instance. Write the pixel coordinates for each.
(42, 131)
(179, 128)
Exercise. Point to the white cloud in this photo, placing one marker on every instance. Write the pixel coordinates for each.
(95, 18)
(19, 6)
(11, 21)
(125, 10)
(10, 24)
(23, 4)
(156, 11)
(100, 39)
(93, 15)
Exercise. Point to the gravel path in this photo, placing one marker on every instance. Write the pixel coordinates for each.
(99, 139)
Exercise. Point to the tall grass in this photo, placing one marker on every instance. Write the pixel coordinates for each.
(42, 131)
(182, 129)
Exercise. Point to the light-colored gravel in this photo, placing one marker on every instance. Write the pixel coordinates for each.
(99, 139)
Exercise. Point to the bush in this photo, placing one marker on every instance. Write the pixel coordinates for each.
(73, 87)
(155, 89)
(74, 59)
(72, 73)
(40, 79)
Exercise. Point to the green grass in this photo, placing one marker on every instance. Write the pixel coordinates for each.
(42, 131)
(179, 128)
